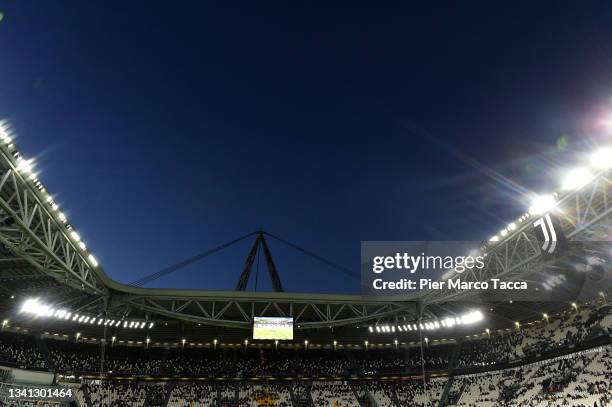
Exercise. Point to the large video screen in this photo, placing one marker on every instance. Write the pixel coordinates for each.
(273, 328)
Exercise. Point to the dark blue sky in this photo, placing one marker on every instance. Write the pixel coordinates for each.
(168, 128)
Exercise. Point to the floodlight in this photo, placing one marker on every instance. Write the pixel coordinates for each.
(4, 133)
(576, 179)
(472, 317)
(93, 260)
(34, 307)
(602, 158)
(541, 204)
(24, 165)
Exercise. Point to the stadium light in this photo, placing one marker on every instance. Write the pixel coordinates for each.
(92, 260)
(576, 179)
(25, 166)
(541, 204)
(35, 307)
(4, 132)
(602, 158)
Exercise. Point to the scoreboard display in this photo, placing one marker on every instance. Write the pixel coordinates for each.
(273, 328)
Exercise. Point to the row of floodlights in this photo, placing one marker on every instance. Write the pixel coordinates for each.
(449, 322)
(26, 168)
(574, 179)
(36, 308)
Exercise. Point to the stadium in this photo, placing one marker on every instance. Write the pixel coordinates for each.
(133, 136)
(67, 325)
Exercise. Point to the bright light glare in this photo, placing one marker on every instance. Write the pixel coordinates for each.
(602, 158)
(93, 260)
(24, 166)
(4, 133)
(541, 204)
(576, 179)
(36, 308)
(472, 317)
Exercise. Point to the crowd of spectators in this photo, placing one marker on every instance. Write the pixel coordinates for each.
(192, 395)
(20, 351)
(578, 380)
(582, 379)
(567, 329)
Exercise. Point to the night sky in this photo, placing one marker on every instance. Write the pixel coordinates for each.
(166, 128)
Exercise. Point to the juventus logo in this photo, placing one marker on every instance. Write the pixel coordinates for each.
(550, 236)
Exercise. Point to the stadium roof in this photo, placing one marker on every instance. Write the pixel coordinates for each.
(42, 257)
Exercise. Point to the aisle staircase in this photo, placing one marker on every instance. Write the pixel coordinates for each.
(451, 368)
(44, 350)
